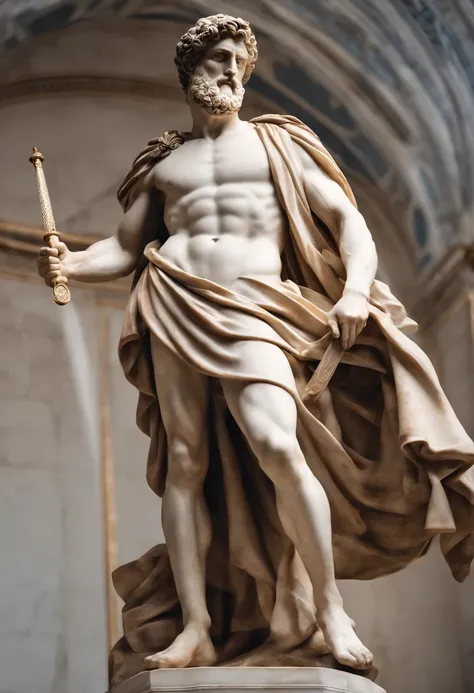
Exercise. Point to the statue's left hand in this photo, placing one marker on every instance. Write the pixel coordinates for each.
(348, 317)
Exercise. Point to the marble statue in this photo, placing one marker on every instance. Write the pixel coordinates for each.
(252, 265)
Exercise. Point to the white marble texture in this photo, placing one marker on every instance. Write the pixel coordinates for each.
(249, 679)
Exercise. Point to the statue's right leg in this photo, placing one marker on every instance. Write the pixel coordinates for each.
(183, 397)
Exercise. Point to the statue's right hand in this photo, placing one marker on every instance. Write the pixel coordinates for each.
(51, 263)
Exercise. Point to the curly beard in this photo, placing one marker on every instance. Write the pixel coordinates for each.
(208, 95)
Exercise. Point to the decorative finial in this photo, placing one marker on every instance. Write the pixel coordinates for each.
(36, 156)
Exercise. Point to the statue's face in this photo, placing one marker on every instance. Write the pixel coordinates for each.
(216, 84)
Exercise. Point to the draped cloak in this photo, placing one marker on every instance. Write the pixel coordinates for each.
(383, 440)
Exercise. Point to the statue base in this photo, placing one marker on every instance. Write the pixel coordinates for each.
(247, 680)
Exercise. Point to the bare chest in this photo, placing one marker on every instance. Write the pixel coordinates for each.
(239, 159)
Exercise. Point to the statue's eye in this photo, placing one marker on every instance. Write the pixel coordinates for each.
(218, 57)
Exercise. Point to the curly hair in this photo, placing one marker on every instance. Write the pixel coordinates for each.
(207, 30)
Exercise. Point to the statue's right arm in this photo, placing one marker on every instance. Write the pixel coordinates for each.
(107, 259)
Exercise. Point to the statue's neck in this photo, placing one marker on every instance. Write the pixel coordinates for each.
(209, 126)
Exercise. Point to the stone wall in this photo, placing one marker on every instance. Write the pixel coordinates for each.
(52, 625)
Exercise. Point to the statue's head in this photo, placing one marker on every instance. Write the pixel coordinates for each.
(215, 58)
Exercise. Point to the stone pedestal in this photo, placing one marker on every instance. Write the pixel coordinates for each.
(249, 680)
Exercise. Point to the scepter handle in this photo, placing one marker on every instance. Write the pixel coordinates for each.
(61, 293)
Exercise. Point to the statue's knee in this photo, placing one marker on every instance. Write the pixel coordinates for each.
(279, 454)
(185, 467)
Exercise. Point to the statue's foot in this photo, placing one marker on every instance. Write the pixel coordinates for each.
(192, 648)
(343, 642)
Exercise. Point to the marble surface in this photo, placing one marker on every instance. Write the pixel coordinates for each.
(283, 679)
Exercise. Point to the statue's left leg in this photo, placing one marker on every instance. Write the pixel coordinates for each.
(267, 416)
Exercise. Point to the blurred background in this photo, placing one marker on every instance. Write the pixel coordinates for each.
(389, 87)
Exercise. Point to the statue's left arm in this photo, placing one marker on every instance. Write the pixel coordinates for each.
(356, 246)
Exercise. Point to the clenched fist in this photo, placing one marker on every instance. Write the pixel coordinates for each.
(349, 317)
(52, 264)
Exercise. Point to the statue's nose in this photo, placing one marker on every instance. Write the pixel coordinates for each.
(231, 71)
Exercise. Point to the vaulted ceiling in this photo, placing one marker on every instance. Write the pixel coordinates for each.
(387, 84)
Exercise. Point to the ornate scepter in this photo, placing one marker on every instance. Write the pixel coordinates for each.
(61, 293)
